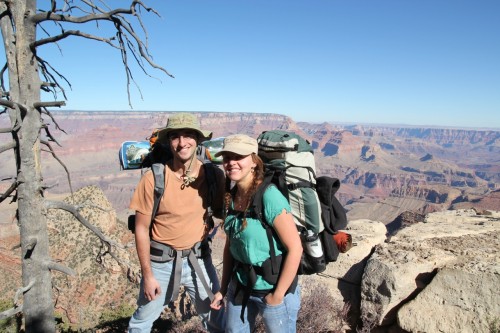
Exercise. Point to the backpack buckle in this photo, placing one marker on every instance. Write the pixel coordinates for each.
(160, 252)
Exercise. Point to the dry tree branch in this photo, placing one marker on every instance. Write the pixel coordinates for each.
(61, 268)
(105, 15)
(74, 211)
(17, 308)
(47, 112)
(49, 135)
(107, 249)
(7, 146)
(55, 39)
(46, 86)
(9, 191)
(88, 203)
(107, 244)
(128, 72)
(16, 112)
(12, 105)
(125, 35)
(38, 105)
(60, 162)
(48, 187)
(11, 312)
(45, 70)
(142, 48)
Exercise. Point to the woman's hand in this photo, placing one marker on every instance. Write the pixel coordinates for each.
(273, 299)
(218, 301)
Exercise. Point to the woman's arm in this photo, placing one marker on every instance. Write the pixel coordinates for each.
(287, 232)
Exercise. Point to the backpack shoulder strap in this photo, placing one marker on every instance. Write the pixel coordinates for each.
(257, 207)
(211, 181)
(158, 170)
(212, 191)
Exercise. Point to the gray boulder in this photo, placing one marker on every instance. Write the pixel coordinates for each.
(451, 255)
(343, 277)
(455, 301)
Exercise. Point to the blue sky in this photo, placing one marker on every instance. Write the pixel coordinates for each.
(374, 61)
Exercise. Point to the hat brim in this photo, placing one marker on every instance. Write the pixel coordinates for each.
(239, 151)
(204, 135)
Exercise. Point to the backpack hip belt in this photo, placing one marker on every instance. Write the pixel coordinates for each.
(160, 252)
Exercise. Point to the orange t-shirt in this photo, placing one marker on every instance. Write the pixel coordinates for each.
(179, 222)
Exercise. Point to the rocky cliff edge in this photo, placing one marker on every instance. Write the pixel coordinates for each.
(439, 275)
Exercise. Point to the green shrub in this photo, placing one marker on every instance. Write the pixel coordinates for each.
(494, 325)
(8, 325)
(122, 311)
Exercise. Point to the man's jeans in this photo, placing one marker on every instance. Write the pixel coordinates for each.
(280, 318)
(148, 311)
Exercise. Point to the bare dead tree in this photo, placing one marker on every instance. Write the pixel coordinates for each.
(27, 74)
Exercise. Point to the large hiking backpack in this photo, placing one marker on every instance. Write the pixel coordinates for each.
(143, 154)
(160, 153)
(290, 165)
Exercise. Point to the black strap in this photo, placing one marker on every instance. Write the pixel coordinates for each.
(251, 280)
(212, 191)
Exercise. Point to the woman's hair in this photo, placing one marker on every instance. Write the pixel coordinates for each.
(258, 177)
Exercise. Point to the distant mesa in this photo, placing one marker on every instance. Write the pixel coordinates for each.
(386, 146)
(330, 149)
(426, 158)
(409, 169)
(365, 150)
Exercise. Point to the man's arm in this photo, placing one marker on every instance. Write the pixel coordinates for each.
(142, 243)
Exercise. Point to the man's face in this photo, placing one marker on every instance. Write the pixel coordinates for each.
(183, 144)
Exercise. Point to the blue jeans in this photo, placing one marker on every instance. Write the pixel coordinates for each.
(280, 318)
(148, 311)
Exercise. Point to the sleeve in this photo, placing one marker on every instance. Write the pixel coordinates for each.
(142, 200)
(274, 203)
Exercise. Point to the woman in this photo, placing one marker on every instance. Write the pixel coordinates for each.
(249, 291)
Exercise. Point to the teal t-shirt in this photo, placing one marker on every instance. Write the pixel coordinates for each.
(250, 245)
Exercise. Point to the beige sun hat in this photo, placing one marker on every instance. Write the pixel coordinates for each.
(183, 121)
(240, 144)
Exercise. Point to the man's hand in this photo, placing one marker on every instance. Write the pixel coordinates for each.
(151, 288)
(217, 302)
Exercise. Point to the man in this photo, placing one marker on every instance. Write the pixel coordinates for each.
(174, 251)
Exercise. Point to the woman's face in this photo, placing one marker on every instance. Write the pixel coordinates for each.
(238, 168)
